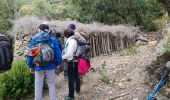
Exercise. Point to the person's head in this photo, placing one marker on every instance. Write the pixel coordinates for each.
(43, 28)
(56, 34)
(68, 33)
(72, 26)
(46, 23)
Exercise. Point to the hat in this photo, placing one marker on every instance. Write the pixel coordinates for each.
(72, 26)
(43, 27)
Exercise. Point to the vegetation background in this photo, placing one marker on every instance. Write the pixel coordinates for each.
(146, 14)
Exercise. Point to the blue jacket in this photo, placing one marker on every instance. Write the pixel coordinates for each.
(57, 52)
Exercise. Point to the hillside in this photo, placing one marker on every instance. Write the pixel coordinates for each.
(117, 77)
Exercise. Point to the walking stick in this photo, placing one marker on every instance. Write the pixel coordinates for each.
(160, 84)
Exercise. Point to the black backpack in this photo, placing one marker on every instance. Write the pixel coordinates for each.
(6, 53)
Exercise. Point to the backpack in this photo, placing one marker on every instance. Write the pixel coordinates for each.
(84, 35)
(83, 65)
(42, 49)
(6, 53)
(84, 47)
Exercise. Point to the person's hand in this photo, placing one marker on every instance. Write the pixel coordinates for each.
(32, 70)
(57, 72)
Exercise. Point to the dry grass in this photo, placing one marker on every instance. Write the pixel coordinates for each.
(28, 25)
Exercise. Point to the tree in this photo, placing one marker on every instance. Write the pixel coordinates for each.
(135, 12)
(166, 4)
(7, 13)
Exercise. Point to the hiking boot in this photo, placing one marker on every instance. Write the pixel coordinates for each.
(68, 98)
(78, 92)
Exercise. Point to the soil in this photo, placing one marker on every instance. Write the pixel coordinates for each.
(116, 77)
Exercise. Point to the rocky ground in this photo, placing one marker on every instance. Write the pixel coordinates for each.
(116, 77)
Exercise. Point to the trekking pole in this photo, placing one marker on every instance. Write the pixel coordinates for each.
(160, 84)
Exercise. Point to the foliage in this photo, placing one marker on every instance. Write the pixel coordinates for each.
(130, 50)
(7, 12)
(128, 79)
(16, 83)
(41, 8)
(135, 12)
(104, 78)
(166, 4)
(143, 13)
(167, 47)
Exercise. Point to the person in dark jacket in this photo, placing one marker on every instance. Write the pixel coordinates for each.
(47, 71)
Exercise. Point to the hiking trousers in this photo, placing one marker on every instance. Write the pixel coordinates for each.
(49, 76)
(73, 77)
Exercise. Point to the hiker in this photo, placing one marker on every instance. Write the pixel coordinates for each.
(43, 58)
(65, 64)
(82, 51)
(6, 53)
(54, 33)
(69, 56)
(57, 35)
(83, 38)
(47, 23)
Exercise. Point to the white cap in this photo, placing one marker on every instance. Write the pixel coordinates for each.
(168, 65)
(46, 23)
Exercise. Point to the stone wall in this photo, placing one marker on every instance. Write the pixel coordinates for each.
(21, 47)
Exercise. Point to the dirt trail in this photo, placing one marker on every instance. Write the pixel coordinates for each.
(126, 76)
(115, 77)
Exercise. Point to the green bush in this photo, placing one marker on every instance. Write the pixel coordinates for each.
(140, 13)
(167, 47)
(105, 79)
(128, 51)
(17, 83)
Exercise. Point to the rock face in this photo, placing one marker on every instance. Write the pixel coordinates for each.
(21, 47)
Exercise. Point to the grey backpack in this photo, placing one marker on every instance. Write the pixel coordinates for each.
(42, 50)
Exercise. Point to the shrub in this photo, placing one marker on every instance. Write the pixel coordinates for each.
(167, 47)
(130, 50)
(16, 83)
(105, 79)
(140, 13)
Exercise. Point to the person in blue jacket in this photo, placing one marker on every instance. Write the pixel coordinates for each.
(48, 71)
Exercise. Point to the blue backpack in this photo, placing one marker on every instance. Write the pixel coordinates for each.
(42, 49)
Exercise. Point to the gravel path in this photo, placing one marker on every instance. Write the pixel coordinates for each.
(115, 77)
